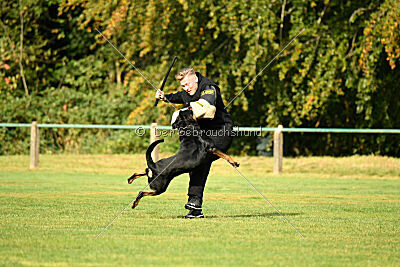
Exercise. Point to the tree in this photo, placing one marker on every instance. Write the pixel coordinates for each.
(341, 71)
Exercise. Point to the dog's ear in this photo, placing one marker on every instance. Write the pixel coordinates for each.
(181, 120)
(178, 123)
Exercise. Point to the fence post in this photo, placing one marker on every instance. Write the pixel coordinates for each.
(278, 149)
(35, 140)
(154, 137)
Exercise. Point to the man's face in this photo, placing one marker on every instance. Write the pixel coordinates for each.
(189, 84)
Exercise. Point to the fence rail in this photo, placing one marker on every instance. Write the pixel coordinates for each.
(278, 135)
(239, 128)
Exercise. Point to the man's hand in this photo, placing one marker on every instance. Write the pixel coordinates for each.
(160, 94)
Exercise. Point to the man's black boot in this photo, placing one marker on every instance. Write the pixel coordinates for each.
(194, 214)
(194, 203)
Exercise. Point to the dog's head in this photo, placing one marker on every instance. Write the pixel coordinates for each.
(184, 118)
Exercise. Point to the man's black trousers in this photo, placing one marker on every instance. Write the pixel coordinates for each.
(198, 177)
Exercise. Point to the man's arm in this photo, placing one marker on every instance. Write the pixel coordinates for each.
(170, 98)
(204, 108)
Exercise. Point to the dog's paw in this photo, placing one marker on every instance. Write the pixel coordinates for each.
(130, 180)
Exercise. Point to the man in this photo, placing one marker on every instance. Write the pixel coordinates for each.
(204, 97)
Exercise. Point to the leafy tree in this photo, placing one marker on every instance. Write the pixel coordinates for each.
(341, 71)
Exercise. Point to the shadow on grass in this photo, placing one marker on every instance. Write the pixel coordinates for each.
(267, 214)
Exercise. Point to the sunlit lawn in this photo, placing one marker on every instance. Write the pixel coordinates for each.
(348, 209)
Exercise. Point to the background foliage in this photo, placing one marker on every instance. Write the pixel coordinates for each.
(342, 71)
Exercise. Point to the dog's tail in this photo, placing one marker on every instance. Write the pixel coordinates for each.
(150, 149)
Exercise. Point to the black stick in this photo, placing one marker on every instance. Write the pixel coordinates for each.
(165, 79)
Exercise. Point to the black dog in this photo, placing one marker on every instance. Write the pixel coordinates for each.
(193, 151)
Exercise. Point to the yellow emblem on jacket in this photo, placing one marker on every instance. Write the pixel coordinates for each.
(207, 92)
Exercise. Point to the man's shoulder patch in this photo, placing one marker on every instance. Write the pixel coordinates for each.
(207, 92)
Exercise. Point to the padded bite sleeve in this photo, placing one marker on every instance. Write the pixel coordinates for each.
(202, 109)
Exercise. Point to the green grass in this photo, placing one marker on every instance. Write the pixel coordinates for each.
(347, 208)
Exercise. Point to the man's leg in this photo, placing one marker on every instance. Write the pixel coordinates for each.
(198, 179)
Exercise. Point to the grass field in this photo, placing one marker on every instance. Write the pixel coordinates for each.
(347, 208)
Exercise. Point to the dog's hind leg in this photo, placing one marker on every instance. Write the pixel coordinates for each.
(224, 156)
(135, 176)
(143, 194)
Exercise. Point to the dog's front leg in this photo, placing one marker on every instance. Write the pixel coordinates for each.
(143, 194)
